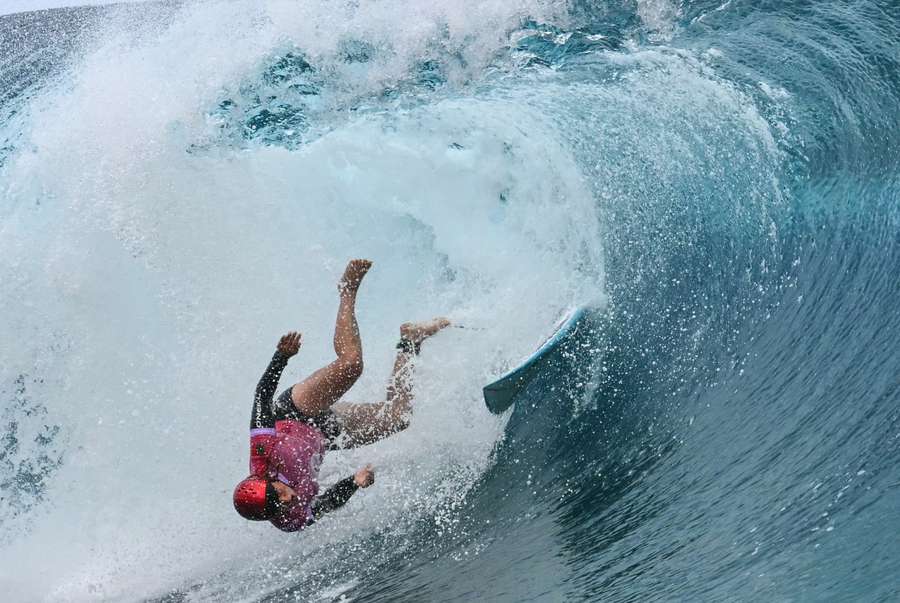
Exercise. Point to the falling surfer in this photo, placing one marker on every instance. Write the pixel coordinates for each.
(290, 434)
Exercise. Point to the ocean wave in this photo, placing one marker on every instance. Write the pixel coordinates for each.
(179, 184)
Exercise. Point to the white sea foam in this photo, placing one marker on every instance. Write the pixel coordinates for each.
(146, 286)
(659, 16)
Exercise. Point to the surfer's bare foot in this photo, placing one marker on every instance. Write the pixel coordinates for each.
(353, 276)
(417, 332)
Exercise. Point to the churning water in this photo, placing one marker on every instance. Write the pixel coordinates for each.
(181, 183)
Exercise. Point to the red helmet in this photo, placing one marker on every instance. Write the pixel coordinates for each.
(250, 498)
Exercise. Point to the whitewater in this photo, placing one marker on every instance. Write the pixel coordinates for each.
(181, 183)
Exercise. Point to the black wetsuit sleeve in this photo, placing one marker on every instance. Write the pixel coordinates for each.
(263, 416)
(334, 498)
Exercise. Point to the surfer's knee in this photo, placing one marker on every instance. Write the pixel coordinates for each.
(350, 366)
(398, 420)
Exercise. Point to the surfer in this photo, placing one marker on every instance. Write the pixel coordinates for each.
(290, 434)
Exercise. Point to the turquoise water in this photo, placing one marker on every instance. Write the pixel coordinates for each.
(719, 181)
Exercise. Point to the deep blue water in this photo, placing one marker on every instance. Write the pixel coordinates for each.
(727, 426)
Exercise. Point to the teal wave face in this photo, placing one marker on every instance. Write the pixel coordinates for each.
(722, 175)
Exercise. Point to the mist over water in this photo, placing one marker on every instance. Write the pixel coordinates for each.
(181, 184)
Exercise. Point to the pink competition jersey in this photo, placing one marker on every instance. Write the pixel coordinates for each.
(295, 451)
(287, 446)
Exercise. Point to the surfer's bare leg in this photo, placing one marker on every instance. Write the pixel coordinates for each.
(368, 423)
(315, 394)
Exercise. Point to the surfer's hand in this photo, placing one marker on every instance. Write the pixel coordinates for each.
(365, 477)
(289, 344)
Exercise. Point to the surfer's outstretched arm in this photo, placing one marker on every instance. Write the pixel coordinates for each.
(367, 423)
(262, 418)
(315, 394)
(288, 346)
(338, 495)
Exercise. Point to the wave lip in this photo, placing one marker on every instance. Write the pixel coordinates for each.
(725, 428)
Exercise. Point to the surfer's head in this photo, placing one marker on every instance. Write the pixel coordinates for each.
(255, 499)
(258, 499)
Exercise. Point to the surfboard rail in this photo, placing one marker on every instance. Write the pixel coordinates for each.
(500, 394)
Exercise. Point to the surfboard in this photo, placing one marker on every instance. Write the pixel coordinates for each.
(499, 395)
